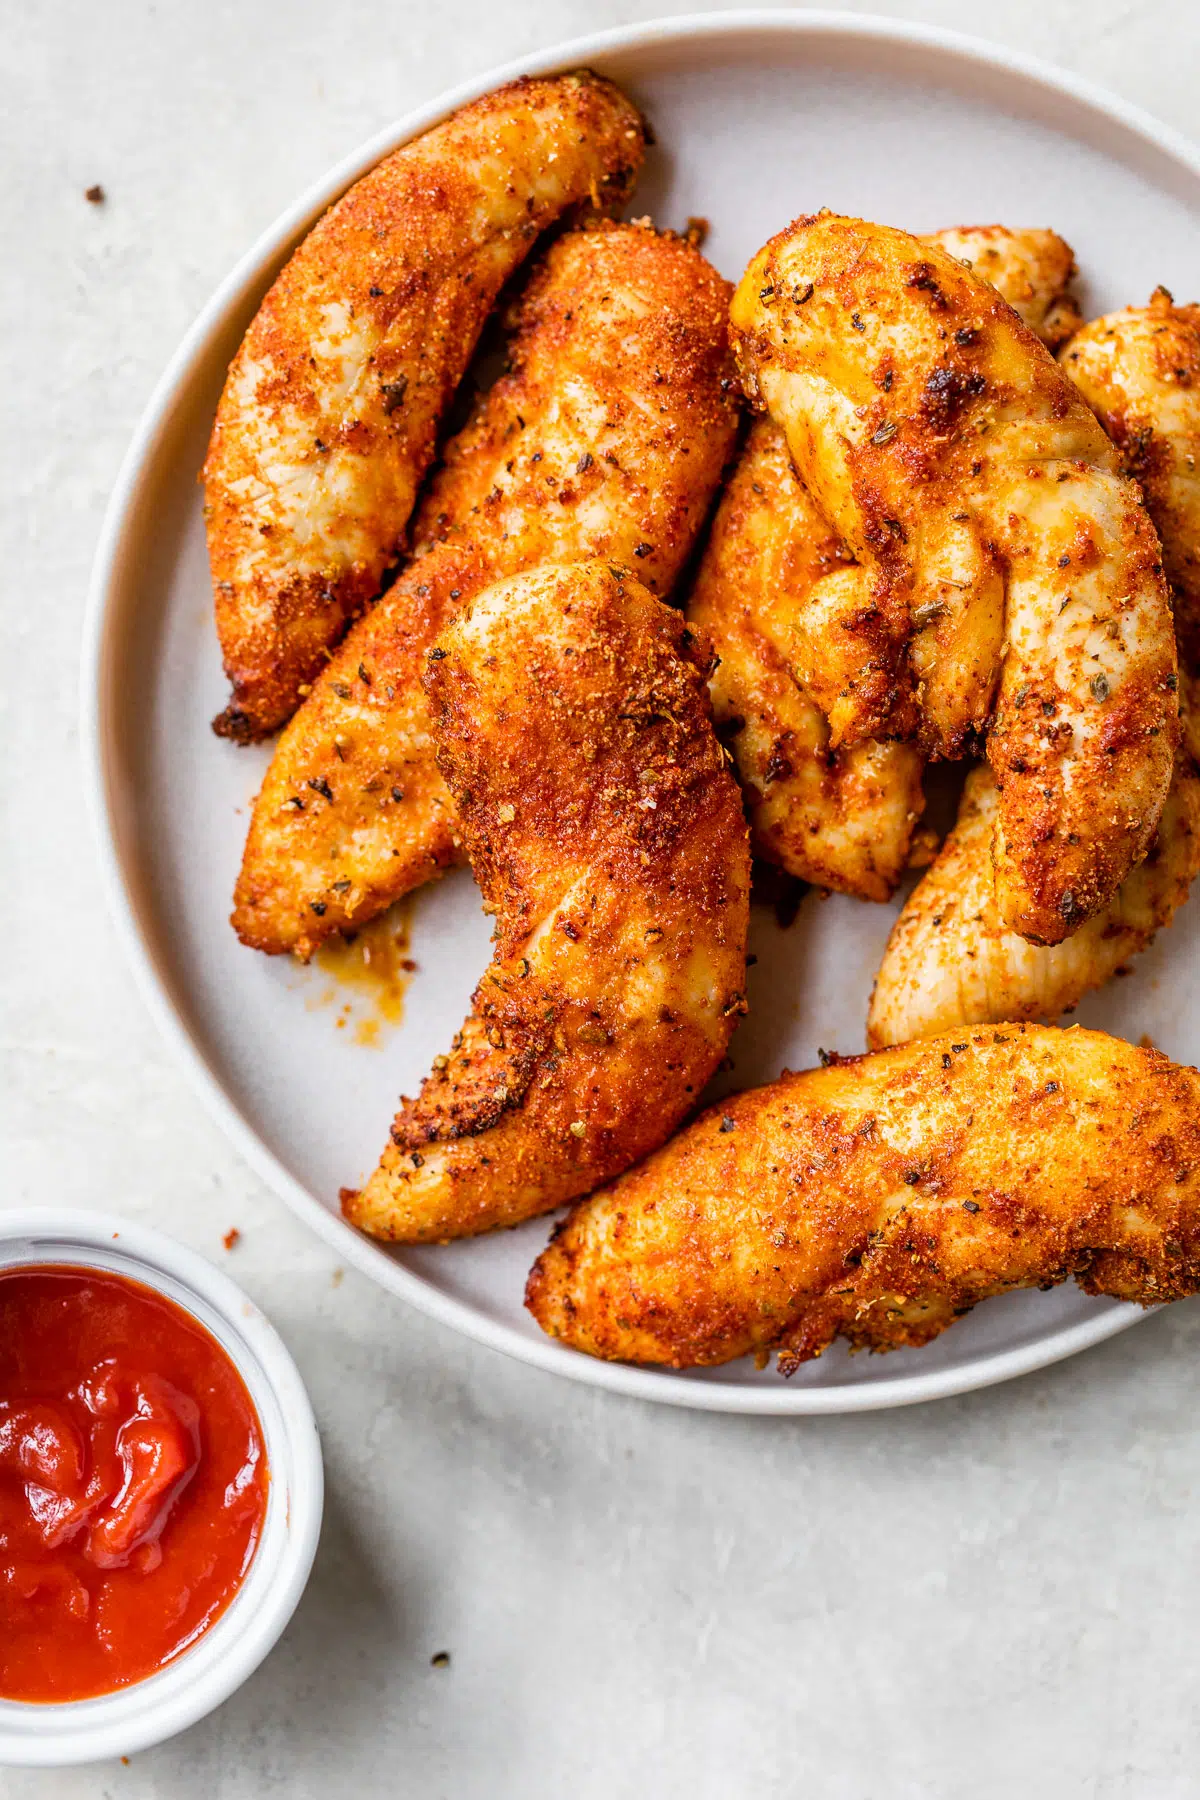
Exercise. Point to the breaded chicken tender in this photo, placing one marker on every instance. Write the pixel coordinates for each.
(330, 410)
(841, 819)
(949, 959)
(950, 962)
(1139, 371)
(607, 438)
(1002, 560)
(1031, 268)
(606, 832)
(881, 1198)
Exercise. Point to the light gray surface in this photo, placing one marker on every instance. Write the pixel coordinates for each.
(989, 1596)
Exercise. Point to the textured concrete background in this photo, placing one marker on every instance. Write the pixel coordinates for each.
(992, 1596)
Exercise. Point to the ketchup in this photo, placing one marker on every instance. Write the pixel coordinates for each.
(133, 1482)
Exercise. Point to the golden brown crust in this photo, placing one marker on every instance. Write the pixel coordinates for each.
(329, 414)
(844, 818)
(606, 438)
(949, 958)
(1031, 268)
(879, 1199)
(606, 833)
(950, 961)
(985, 509)
(1139, 371)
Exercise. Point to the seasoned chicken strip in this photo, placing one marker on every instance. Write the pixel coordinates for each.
(606, 833)
(330, 410)
(881, 1198)
(1032, 269)
(1139, 371)
(607, 438)
(841, 819)
(950, 962)
(949, 959)
(982, 501)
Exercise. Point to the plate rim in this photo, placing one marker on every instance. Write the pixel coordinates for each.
(96, 702)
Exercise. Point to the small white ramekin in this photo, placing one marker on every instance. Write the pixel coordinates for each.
(117, 1724)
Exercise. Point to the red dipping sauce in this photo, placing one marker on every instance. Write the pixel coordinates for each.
(133, 1482)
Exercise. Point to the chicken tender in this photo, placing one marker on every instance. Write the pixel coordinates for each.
(606, 832)
(881, 1198)
(996, 542)
(949, 959)
(841, 819)
(950, 962)
(328, 419)
(1139, 371)
(607, 438)
(1032, 269)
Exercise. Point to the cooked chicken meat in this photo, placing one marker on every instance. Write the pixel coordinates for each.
(607, 438)
(606, 833)
(950, 962)
(844, 818)
(1032, 269)
(1002, 561)
(330, 410)
(881, 1198)
(1139, 371)
(950, 959)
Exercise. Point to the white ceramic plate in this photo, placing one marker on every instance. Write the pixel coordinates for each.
(759, 116)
